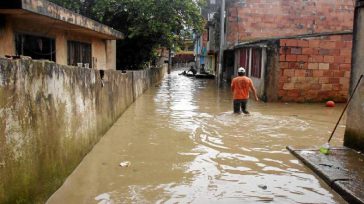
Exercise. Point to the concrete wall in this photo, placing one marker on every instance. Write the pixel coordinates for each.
(103, 51)
(249, 19)
(315, 69)
(354, 134)
(51, 116)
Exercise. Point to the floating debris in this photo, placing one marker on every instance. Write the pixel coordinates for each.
(327, 165)
(125, 164)
(306, 152)
(264, 187)
(104, 199)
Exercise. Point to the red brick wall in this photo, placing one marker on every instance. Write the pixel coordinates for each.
(315, 69)
(251, 19)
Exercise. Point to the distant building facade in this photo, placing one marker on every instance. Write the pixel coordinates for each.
(206, 45)
(185, 58)
(42, 30)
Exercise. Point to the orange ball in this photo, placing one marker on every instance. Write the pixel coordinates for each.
(330, 104)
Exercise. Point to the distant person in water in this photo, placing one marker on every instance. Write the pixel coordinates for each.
(193, 70)
(202, 69)
(240, 87)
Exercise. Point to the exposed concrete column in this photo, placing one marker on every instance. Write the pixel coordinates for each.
(61, 49)
(354, 133)
(99, 55)
(7, 41)
(111, 54)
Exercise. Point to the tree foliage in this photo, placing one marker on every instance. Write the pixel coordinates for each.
(146, 24)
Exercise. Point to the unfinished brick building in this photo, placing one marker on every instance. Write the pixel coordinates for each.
(293, 50)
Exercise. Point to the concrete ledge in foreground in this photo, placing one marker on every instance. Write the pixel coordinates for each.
(342, 170)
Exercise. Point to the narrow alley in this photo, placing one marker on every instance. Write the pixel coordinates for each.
(182, 143)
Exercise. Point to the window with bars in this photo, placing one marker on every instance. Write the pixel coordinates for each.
(79, 52)
(256, 68)
(36, 47)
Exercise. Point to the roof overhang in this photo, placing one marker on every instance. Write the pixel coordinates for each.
(47, 12)
(262, 42)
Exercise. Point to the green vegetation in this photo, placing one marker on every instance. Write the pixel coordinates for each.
(146, 24)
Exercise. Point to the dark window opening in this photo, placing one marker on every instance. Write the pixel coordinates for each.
(256, 62)
(79, 52)
(35, 47)
(15, 4)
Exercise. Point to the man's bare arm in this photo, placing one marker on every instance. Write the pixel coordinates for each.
(254, 92)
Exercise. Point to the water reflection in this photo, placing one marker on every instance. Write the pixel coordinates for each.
(186, 146)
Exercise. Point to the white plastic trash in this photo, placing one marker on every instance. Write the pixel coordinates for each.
(125, 164)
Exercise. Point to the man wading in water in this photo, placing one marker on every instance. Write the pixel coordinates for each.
(240, 87)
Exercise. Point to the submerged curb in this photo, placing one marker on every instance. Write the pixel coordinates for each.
(336, 170)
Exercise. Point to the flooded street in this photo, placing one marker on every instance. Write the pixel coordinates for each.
(185, 145)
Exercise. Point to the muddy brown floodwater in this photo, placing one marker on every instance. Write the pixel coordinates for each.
(185, 145)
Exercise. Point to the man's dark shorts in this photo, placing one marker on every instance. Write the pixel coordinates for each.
(240, 105)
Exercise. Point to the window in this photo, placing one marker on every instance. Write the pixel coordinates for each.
(79, 52)
(35, 47)
(256, 62)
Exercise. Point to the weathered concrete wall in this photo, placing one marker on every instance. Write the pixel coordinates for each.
(354, 133)
(315, 69)
(142, 80)
(249, 19)
(51, 116)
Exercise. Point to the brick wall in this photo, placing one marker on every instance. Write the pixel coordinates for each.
(315, 69)
(251, 19)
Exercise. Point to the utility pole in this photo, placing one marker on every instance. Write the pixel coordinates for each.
(222, 37)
